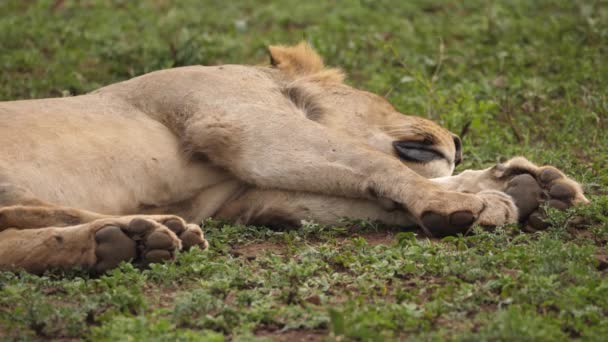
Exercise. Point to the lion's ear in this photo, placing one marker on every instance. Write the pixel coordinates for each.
(296, 61)
(302, 60)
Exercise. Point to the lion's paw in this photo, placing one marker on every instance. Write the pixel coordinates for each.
(451, 213)
(500, 209)
(531, 186)
(142, 240)
(487, 208)
(520, 188)
(550, 187)
(191, 235)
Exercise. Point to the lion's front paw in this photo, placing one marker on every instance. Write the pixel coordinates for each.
(531, 186)
(450, 213)
(456, 215)
(500, 209)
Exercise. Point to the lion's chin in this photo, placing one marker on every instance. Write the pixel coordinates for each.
(432, 169)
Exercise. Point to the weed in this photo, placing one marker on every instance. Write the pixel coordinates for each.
(511, 77)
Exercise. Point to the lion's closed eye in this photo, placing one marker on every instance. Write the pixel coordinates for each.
(416, 151)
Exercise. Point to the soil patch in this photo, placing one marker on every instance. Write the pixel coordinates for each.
(293, 335)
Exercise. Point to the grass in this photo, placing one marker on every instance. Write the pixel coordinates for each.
(512, 77)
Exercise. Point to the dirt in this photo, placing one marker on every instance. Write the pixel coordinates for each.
(292, 335)
(602, 260)
(377, 237)
(252, 250)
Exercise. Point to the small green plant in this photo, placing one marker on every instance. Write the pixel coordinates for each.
(511, 77)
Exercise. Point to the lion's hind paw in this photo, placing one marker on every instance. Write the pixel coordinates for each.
(191, 235)
(140, 240)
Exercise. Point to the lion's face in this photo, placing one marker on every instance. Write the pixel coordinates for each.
(319, 92)
(422, 145)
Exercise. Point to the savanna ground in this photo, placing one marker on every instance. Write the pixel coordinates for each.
(512, 77)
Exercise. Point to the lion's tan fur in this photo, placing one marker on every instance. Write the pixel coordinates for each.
(250, 144)
(301, 61)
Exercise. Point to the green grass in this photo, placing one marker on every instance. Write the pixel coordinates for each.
(514, 77)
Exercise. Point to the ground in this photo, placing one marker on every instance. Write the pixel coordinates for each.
(512, 77)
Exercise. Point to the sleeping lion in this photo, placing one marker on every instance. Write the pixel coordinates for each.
(118, 174)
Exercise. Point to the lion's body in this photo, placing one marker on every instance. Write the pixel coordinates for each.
(250, 144)
(98, 153)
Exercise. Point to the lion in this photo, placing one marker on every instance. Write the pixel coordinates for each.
(120, 174)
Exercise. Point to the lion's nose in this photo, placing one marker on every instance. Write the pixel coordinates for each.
(458, 145)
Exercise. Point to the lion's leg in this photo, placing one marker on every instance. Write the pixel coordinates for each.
(286, 209)
(526, 184)
(30, 217)
(20, 209)
(279, 209)
(289, 152)
(41, 217)
(96, 246)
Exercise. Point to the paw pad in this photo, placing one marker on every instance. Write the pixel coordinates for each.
(441, 225)
(526, 194)
(159, 240)
(140, 240)
(562, 191)
(550, 187)
(191, 235)
(139, 226)
(549, 174)
(113, 246)
(176, 226)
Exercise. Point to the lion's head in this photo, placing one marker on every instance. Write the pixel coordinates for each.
(422, 145)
